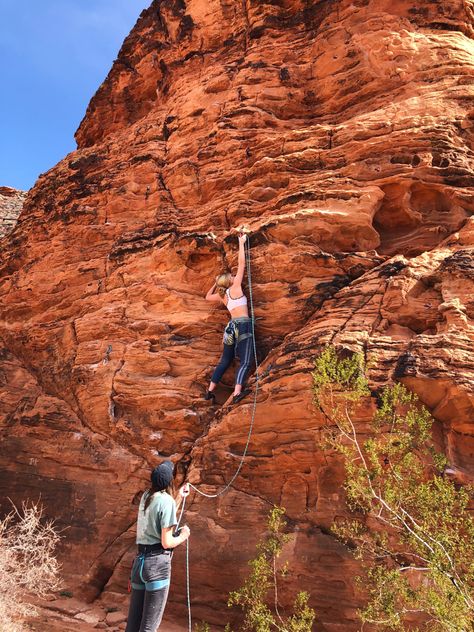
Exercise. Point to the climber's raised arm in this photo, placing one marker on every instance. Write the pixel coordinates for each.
(239, 277)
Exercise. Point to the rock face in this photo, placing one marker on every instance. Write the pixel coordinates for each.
(341, 134)
(11, 203)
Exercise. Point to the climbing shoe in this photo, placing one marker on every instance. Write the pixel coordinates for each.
(209, 396)
(240, 396)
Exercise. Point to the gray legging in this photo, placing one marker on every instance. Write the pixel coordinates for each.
(150, 579)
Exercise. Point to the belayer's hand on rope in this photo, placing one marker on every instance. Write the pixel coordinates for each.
(184, 493)
(184, 532)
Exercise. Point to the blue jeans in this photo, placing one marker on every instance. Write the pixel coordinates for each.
(150, 585)
(238, 341)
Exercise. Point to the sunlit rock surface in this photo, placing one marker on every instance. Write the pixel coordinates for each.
(340, 134)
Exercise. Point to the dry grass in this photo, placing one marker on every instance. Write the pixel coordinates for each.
(27, 564)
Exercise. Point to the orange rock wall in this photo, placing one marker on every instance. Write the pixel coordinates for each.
(340, 133)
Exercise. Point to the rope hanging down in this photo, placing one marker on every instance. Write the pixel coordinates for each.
(249, 435)
(188, 587)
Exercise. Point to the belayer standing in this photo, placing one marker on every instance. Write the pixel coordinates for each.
(151, 570)
(238, 334)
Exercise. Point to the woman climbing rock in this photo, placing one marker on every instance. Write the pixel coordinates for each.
(238, 334)
(151, 570)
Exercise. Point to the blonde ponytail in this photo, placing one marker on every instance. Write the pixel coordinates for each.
(223, 282)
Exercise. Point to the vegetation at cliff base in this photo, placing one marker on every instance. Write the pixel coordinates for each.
(410, 525)
(260, 589)
(28, 565)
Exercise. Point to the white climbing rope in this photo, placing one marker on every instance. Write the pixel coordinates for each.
(254, 406)
(249, 434)
(181, 512)
(188, 589)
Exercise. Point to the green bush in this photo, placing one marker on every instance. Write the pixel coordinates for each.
(261, 587)
(410, 526)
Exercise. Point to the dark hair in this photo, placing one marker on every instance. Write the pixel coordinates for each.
(153, 490)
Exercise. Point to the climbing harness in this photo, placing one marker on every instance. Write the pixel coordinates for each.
(232, 334)
(144, 585)
(249, 435)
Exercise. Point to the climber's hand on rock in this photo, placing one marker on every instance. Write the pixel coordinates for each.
(242, 238)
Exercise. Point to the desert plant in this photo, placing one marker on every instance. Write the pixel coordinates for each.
(410, 525)
(254, 596)
(27, 564)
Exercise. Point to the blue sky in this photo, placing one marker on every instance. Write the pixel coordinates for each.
(54, 54)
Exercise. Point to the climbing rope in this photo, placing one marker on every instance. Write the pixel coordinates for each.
(247, 444)
(254, 406)
(249, 435)
(188, 588)
(181, 512)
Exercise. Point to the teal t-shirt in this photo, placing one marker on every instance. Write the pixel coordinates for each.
(160, 514)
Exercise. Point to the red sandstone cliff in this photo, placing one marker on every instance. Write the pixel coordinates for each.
(341, 133)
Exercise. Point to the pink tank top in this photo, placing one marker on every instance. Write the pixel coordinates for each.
(232, 303)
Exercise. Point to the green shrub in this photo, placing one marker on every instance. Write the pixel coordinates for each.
(261, 587)
(410, 526)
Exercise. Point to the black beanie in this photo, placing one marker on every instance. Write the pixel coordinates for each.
(162, 475)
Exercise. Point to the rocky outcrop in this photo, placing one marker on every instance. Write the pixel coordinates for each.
(67, 613)
(11, 203)
(340, 133)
